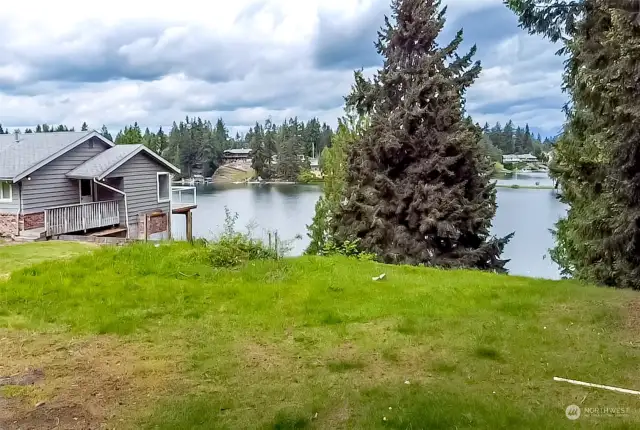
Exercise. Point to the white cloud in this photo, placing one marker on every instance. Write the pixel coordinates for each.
(156, 62)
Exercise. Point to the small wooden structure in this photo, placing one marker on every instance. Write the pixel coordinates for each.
(184, 201)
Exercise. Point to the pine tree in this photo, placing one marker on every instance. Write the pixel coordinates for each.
(508, 138)
(162, 142)
(129, 136)
(105, 133)
(597, 158)
(85, 127)
(418, 188)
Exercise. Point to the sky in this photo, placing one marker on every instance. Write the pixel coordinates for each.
(156, 62)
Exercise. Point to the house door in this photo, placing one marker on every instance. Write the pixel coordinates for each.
(86, 191)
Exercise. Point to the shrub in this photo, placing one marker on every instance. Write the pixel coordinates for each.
(233, 248)
(306, 176)
(348, 248)
(236, 249)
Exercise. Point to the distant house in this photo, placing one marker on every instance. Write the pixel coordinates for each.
(519, 158)
(79, 182)
(314, 164)
(235, 155)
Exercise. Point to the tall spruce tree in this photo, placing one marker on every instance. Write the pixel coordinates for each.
(597, 159)
(418, 188)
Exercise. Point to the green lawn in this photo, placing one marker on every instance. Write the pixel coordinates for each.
(17, 256)
(153, 337)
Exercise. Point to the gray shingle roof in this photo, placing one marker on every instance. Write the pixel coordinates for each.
(32, 149)
(103, 162)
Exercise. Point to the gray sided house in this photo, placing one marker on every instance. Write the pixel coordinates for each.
(79, 182)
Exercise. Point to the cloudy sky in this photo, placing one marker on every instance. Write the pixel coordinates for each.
(244, 60)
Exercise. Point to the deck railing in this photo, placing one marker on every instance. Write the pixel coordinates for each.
(183, 196)
(81, 217)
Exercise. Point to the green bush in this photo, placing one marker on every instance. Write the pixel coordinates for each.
(306, 177)
(348, 248)
(233, 248)
(236, 249)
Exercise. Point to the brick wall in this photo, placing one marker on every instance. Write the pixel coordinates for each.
(157, 224)
(32, 220)
(8, 225)
(154, 224)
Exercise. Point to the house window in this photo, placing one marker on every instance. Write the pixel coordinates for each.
(5, 191)
(164, 187)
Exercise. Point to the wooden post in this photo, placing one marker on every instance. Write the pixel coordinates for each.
(169, 216)
(189, 218)
(146, 227)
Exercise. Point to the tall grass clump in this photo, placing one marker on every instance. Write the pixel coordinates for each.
(233, 248)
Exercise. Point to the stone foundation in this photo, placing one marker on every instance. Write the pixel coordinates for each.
(30, 221)
(9, 225)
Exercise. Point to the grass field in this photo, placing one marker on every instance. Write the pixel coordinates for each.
(17, 256)
(154, 337)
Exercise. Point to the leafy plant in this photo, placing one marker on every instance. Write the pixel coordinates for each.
(348, 248)
(306, 176)
(233, 248)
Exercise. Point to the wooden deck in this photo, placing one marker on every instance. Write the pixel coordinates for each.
(182, 209)
(81, 217)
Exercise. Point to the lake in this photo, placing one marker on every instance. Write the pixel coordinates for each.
(289, 208)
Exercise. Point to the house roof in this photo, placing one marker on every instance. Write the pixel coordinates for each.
(240, 151)
(34, 150)
(106, 162)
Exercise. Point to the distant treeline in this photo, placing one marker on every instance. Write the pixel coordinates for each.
(197, 142)
(512, 139)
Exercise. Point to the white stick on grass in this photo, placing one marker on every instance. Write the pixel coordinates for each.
(606, 387)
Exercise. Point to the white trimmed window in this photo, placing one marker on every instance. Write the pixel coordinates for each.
(164, 187)
(6, 191)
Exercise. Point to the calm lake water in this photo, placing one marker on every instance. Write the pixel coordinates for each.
(289, 208)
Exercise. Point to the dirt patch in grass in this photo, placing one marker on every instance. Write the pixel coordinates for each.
(77, 383)
(633, 315)
(264, 357)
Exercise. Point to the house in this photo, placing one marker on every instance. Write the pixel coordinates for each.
(235, 155)
(80, 182)
(314, 165)
(519, 158)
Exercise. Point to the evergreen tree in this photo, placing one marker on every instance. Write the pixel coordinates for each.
(508, 138)
(149, 140)
(85, 127)
(596, 160)
(333, 162)
(161, 142)
(38, 128)
(105, 133)
(129, 136)
(1, 129)
(418, 188)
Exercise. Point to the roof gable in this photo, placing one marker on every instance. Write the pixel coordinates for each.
(103, 164)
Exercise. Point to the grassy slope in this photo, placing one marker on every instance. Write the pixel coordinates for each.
(275, 343)
(13, 257)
